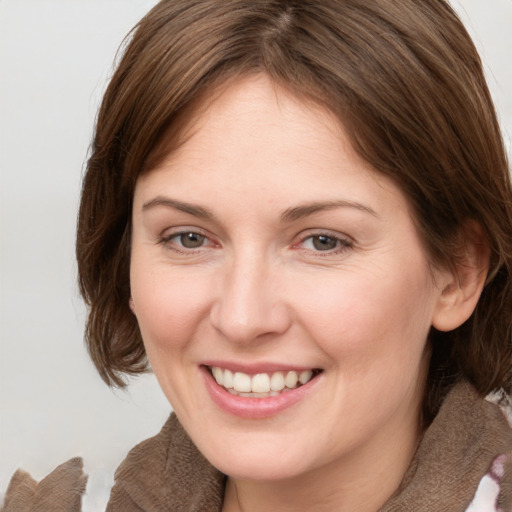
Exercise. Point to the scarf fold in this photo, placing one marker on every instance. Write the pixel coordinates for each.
(167, 473)
(467, 448)
(456, 451)
(60, 491)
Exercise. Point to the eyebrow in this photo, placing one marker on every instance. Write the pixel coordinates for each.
(197, 211)
(303, 210)
(289, 215)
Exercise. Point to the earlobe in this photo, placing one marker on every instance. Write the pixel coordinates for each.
(460, 288)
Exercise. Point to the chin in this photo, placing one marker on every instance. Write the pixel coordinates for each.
(259, 468)
(256, 457)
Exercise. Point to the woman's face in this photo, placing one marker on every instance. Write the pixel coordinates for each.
(264, 251)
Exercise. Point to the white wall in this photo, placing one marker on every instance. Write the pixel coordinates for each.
(55, 56)
(54, 61)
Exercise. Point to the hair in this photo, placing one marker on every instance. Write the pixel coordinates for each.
(407, 83)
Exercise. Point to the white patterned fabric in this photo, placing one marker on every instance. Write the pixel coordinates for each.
(486, 497)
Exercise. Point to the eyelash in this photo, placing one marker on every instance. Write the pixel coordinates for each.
(342, 243)
(167, 241)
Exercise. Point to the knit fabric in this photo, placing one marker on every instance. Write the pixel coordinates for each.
(60, 491)
(456, 452)
(463, 464)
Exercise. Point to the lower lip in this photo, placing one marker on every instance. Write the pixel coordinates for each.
(255, 408)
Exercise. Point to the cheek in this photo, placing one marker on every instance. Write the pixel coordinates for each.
(169, 307)
(170, 311)
(368, 321)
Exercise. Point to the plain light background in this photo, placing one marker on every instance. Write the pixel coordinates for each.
(55, 60)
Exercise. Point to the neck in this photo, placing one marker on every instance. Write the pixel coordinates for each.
(361, 482)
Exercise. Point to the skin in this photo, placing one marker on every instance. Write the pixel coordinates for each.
(258, 290)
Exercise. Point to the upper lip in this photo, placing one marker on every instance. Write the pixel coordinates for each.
(255, 368)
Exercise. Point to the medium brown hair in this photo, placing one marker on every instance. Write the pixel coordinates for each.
(406, 82)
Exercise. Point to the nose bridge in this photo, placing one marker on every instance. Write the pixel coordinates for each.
(248, 304)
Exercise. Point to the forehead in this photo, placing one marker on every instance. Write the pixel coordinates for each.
(270, 114)
(257, 138)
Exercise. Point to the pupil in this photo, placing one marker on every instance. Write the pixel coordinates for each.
(191, 240)
(324, 243)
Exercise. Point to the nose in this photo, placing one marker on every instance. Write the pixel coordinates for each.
(250, 305)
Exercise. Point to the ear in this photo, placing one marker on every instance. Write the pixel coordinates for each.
(132, 305)
(460, 288)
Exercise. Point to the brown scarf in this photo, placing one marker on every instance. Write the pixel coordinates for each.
(167, 472)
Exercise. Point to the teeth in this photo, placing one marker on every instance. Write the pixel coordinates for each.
(291, 379)
(241, 382)
(217, 375)
(277, 382)
(305, 376)
(227, 379)
(260, 385)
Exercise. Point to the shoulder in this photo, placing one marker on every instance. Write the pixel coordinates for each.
(165, 472)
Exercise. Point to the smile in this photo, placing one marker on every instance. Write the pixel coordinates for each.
(261, 385)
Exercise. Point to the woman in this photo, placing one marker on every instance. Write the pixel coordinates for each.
(300, 214)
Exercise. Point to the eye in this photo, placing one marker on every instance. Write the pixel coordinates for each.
(189, 240)
(324, 242)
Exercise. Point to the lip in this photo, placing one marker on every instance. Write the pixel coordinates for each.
(255, 408)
